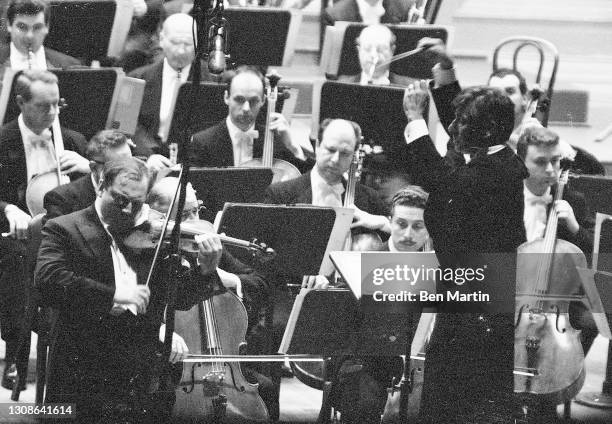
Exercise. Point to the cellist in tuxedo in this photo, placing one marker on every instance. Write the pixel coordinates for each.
(27, 149)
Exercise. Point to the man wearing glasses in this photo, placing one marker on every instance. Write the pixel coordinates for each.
(104, 356)
(26, 150)
(236, 139)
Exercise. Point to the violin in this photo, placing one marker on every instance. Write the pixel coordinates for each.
(148, 236)
(282, 170)
(547, 350)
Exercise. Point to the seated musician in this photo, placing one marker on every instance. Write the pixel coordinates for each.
(445, 87)
(26, 149)
(248, 284)
(375, 44)
(236, 139)
(368, 11)
(103, 357)
(541, 151)
(163, 79)
(28, 26)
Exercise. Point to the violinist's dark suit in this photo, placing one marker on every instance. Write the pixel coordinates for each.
(13, 180)
(213, 147)
(473, 210)
(95, 354)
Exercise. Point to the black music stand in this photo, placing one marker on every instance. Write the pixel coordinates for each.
(417, 66)
(216, 186)
(81, 28)
(209, 110)
(86, 114)
(261, 36)
(379, 112)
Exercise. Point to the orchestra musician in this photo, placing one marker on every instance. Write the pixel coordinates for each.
(473, 210)
(163, 79)
(368, 11)
(541, 151)
(236, 139)
(105, 146)
(250, 285)
(28, 26)
(103, 356)
(27, 149)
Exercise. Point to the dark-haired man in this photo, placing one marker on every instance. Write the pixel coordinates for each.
(236, 139)
(473, 210)
(28, 26)
(104, 355)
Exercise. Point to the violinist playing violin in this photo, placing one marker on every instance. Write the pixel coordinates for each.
(103, 355)
(26, 150)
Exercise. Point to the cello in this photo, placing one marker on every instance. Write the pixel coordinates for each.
(282, 170)
(548, 356)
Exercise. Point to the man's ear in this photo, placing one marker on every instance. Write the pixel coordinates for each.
(226, 97)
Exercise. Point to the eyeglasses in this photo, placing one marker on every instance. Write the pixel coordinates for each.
(122, 201)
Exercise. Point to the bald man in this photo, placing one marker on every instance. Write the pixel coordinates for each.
(163, 79)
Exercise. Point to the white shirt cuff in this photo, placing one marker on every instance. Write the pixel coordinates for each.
(443, 76)
(415, 129)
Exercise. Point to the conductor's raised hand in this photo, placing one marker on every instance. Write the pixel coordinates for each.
(416, 98)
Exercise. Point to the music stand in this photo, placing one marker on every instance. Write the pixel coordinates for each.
(377, 109)
(85, 114)
(81, 28)
(249, 44)
(340, 56)
(209, 110)
(216, 186)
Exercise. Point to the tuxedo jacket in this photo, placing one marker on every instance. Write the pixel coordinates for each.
(146, 139)
(299, 190)
(213, 147)
(13, 171)
(396, 11)
(75, 274)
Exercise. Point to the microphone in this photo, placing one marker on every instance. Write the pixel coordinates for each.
(216, 57)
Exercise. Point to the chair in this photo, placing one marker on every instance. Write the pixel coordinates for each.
(546, 50)
(38, 319)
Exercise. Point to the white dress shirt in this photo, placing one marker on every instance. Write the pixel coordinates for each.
(242, 142)
(20, 61)
(381, 80)
(324, 194)
(172, 80)
(534, 216)
(370, 14)
(125, 275)
(39, 150)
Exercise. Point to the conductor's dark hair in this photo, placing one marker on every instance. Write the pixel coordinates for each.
(228, 76)
(27, 7)
(535, 136)
(354, 125)
(486, 117)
